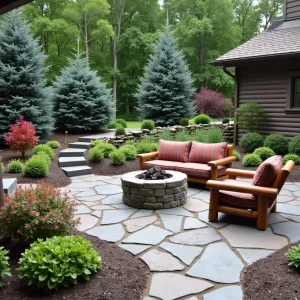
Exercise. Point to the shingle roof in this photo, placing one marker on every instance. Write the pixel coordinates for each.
(269, 43)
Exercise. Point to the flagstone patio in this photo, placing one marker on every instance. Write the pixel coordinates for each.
(189, 257)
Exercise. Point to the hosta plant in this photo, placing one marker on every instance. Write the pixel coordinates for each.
(4, 265)
(293, 256)
(59, 262)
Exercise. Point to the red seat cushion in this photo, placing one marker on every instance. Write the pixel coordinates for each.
(164, 164)
(198, 170)
(174, 151)
(203, 153)
(267, 171)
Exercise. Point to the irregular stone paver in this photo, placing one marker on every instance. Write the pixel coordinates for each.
(282, 199)
(82, 209)
(148, 298)
(91, 198)
(295, 202)
(170, 286)
(97, 213)
(291, 217)
(275, 218)
(204, 195)
(103, 207)
(297, 194)
(289, 229)
(203, 216)
(193, 223)
(110, 233)
(288, 209)
(185, 253)
(97, 178)
(196, 237)
(134, 249)
(247, 237)
(252, 255)
(151, 235)
(171, 222)
(192, 191)
(192, 298)
(178, 211)
(161, 261)
(291, 187)
(86, 194)
(86, 222)
(218, 263)
(142, 213)
(114, 181)
(285, 193)
(82, 185)
(195, 205)
(109, 189)
(139, 223)
(121, 206)
(114, 199)
(116, 216)
(226, 293)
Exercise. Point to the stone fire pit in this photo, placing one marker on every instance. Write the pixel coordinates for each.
(154, 194)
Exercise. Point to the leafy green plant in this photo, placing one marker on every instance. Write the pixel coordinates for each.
(199, 136)
(53, 144)
(129, 152)
(37, 212)
(294, 157)
(106, 148)
(278, 143)
(264, 152)
(202, 119)
(117, 157)
(36, 167)
(237, 155)
(119, 131)
(122, 122)
(44, 148)
(4, 265)
(225, 121)
(59, 262)
(182, 136)
(96, 154)
(113, 125)
(294, 146)
(15, 166)
(251, 140)
(166, 135)
(214, 135)
(148, 124)
(146, 146)
(251, 160)
(184, 122)
(249, 115)
(293, 256)
(43, 155)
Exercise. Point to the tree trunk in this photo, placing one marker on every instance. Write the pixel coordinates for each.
(86, 40)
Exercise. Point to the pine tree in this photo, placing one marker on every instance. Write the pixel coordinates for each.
(81, 101)
(165, 91)
(22, 84)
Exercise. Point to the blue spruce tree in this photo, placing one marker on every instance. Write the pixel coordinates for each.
(165, 92)
(81, 101)
(22, 78)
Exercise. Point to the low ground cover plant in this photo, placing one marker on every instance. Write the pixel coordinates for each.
(117, 157)
(96, 154)
(182, 136)
(43, 155)
(129, 151)
(4, 266)
(278, 143)
(43, 148)
(53, 144)
(252, 140)
(148, 124)
(15, 166)
(293, 157)
(122, 122)
(251, 160)
(237, 155)
(214, 135)
(59, 262)
(294, 146)
(146, 145)
(293, 256)
(36, 167)
(120, 131)
(106, 148)
(264, 152)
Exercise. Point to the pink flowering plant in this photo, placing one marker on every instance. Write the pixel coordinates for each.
(37, 212)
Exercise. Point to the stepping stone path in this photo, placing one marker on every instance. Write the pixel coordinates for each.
(190, 258)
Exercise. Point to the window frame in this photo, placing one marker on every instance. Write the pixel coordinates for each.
(290, 93)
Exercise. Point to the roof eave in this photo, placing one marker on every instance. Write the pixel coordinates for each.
(12, 5)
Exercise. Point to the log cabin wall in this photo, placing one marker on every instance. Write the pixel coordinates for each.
(291, 9)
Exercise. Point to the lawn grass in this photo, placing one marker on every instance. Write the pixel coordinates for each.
(134, 124)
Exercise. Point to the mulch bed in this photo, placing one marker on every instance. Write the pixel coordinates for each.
(121, 277)
(271, 278)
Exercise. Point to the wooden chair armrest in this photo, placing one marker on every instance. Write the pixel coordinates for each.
(251, 189)
(147, 155)
(222, 161)
(240, 173)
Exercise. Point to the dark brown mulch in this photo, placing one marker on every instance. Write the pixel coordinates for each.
(271, 279)
(122, 277)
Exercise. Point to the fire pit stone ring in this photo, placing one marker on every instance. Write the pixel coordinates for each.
(154, 194)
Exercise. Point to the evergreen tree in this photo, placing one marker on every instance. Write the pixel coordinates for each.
(165, 91)
(81, 101)
(22, 85)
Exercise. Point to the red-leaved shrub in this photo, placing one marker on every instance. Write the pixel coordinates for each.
(210, 103)
(22, 136)
(37, 212)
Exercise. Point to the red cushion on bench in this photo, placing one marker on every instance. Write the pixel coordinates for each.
(164, 164)
(198, 170)
(174, 151)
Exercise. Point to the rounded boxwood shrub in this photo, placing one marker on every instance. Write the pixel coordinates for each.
(278, 143)
(294, 146)
(225, 121)
(119, 131)
(113, 125)
(250, 141)
(184, 122)
(106, 148)
(43, 155)
(15, 166)
(264, 152)
(251, 160)
(96, 154)
(148, 124)
(53, 144)
(293, 157)
(37, 212)
(36, 167)
(122, 122)
(4, 266)
(129, 152)
(59, 262)
(117, 157)
(202, 119)
(237, 155)
(44, 148)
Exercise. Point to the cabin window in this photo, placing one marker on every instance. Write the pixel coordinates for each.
(296, 92)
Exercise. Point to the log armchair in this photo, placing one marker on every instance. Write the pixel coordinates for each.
(254, 199)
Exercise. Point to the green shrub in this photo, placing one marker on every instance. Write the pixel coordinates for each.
(59, 262)
(45, 148)
(294, 146)
(119, 131)
(166, 135)
(146, 146)
(225, 121)
(129, 152)
(237, 155)
(293, 157)
(182, 136)
(37, 212)
(148, 124)
(202, 119)
(278, 143)
(53, 144)
(184, 122)
(199, 136)
(214, 135)
(113, 125)
(250, 141)
(2, 167)
(96, 154)
(251, 160)
(43, 155)
(122, 122)
(36, 167)
(264, 152)
(15, 166)
(293, 256)
(4, 265)
(117, 157)
(106, 148)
